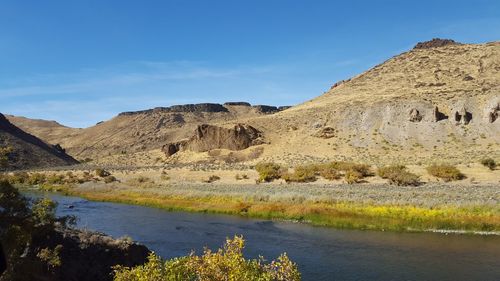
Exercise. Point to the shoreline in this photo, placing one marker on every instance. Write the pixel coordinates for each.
(470, 220)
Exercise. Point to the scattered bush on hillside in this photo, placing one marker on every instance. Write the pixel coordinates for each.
(212, 178)
(4, 156)
(353, 176)
(445, 172)
(269, 171)
(306, 173)
(329, 173)
(102, 173)
(398, 175)
(227, 263)
(109, 179)
(490, 163)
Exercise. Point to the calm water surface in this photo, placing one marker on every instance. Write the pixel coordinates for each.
(322, 253)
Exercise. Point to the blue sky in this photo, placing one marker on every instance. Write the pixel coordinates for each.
(80, 62)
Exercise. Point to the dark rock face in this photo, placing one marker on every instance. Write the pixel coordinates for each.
(435, 43)
(438, 116)
(85, 256)
(237, 103)
(192, 108)
(208, 137)
(266, 108)
(462, 116)
(415, 115)
(285, 107)
(171, 148)
(493, 114)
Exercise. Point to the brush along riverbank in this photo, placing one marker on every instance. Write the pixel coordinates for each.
(439, 206)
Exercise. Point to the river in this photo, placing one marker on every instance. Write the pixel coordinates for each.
(321, 253)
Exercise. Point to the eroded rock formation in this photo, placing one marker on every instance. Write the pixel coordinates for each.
(415, 115)
(435, 43)
(493, 113)
(438, 116)
(207, 137)
(462, 116)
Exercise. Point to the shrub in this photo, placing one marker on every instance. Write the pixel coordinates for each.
(269, 171)
(353, 176)
(109, 179)
(329, 173)
(102, 173)
(55, 179)
(301, 174)
(362, 169)
(228, 263)
(398, 175)
(388, 171)
(490, 163)
(445, 172)
(36, 178)
(4, 156)
(212, 178)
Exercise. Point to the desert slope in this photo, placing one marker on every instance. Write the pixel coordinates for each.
(428, 104)
(28, 151)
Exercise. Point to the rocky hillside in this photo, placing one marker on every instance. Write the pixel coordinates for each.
(437, 102)
(131, 132)
(21, 150)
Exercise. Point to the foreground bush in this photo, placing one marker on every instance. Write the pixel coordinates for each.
(398, 175)
(269, 171)
(490, 163)
(227, 263)
(445, 172)
(20, 220)
(301, 174)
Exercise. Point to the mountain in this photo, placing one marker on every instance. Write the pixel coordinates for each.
(22, 150)
(438, 102)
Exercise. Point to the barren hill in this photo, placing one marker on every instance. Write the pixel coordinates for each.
(138, 131)
(437, 102)
(22, 150)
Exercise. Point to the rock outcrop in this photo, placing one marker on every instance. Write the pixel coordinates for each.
(415, 115)
(438, 115)
(493, 113)
(207, 137)
(266, 109)
(435, 43)
(84, 256)
(462, 116)
(237, 103)
(200, 107)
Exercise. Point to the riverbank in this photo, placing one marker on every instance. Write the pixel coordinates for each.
(431, 207)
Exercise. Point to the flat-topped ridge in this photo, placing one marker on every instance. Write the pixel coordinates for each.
(206, 107)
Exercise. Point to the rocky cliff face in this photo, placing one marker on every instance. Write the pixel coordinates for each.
(208, 137)
(84, 256)
(29, 151)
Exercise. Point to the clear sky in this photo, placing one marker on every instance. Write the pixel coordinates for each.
(80, 62)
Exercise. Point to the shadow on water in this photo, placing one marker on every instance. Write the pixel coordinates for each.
(322, 253)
